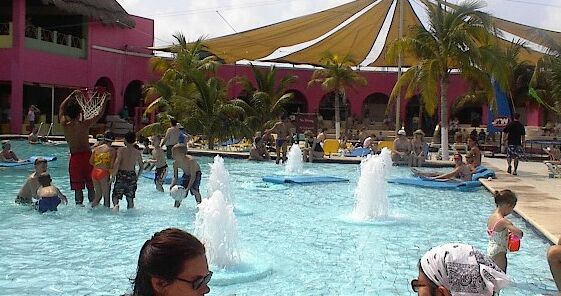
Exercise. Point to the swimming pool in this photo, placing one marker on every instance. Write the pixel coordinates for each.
(302, 233)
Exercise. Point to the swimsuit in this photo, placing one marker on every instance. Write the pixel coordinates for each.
(280, 142)
(49, 203)
(514, 151)
(160, 175)
(101, 159)
(80, 170)
(9, 155)
(196, 182)
(125, 184)
(497, 241)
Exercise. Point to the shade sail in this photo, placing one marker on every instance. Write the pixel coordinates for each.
(363, 29)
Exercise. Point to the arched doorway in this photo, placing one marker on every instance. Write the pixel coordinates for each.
(298, 104)
(108, 85)
(327, 107)
(416, 117)
(374, 107)
(133, 97)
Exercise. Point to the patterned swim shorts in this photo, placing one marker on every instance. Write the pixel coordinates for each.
(125, 184)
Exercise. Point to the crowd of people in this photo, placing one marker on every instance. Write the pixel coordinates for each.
(173, 262)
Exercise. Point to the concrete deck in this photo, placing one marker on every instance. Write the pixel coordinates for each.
(539, 197)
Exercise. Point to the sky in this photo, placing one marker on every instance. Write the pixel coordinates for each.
(213, 18)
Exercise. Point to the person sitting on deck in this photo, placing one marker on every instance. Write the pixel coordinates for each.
(313, 149)
(418, 152)
(33, 138)
(473, 156)
(401, 152)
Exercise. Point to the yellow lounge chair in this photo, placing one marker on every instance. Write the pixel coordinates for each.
(330, 146)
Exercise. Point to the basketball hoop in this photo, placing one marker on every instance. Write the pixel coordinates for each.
(90, 100)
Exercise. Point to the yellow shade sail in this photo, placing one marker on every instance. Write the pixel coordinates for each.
(363, 29)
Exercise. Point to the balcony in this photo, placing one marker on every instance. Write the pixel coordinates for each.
(6, 35)
(54, 42)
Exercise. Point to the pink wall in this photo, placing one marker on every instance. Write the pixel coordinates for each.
(20, 65)
(378, 82)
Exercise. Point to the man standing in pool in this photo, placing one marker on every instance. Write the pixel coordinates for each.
(514, 138)
(124, 173)
(282, 130)
(76, 132)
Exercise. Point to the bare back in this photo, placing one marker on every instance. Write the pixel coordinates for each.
(187, 164)
(76, 134)
(127, 158)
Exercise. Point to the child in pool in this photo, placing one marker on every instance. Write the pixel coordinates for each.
(158, 161)
(498, 227)
(191, 172)
(48, 196)
(102, 159)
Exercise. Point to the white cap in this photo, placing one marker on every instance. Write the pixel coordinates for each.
(402, 132)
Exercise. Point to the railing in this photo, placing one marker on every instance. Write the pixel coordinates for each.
(55, 37)
(4, 28)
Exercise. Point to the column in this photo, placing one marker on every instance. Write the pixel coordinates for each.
(16, 104)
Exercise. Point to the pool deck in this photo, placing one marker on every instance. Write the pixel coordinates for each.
(539, 198)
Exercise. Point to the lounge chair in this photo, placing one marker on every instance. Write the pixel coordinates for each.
(330, 146)
(359, 152)
(554, 162)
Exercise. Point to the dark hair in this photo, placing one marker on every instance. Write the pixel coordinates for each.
(163, 256)
(45, 179)
(257, 140)
(505, 196)
(458, 155)
(516, 116)
(130, 137)
(432, 286)
(73, 110)
(173, 121)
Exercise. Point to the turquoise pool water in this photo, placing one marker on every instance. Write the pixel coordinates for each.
(302, 233)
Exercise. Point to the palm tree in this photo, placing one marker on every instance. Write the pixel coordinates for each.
(452, 41)
(337, 75)
(267, 100)
(211, 113)
(546, 79)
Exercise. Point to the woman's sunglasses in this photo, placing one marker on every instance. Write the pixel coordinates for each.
(198, 282)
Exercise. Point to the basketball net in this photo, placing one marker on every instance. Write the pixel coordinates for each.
(90, 100)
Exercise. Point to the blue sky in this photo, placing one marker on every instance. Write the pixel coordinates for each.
(197, 18)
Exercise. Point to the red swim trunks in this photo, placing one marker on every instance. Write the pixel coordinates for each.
(80, 170)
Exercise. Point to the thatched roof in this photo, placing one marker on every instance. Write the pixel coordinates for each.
(107, 11)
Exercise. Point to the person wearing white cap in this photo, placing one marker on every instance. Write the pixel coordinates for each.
(456, 269)
(401, 152)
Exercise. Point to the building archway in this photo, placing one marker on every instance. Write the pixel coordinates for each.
(133, 97)
(327, 107)
(416, 117)
(374, 107)
(107, 84)
(298, 104)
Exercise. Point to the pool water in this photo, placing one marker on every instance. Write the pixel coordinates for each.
(301, 233)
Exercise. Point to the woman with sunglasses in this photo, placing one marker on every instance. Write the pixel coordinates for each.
(458, 269)
(172, 262)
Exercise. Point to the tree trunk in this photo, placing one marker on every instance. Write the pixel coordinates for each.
(444, 118)
(210, 143)
(337, 115)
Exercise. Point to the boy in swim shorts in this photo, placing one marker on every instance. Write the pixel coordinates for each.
(191, 172)
(159, 161)
(124, 174)
(49, 196)
(102, 159)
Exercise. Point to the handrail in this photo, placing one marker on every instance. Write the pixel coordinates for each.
(42, 34)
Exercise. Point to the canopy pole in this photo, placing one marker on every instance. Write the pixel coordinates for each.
(399, 64)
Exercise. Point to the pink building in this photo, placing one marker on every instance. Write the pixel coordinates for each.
(48, 48)
(370, 102)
